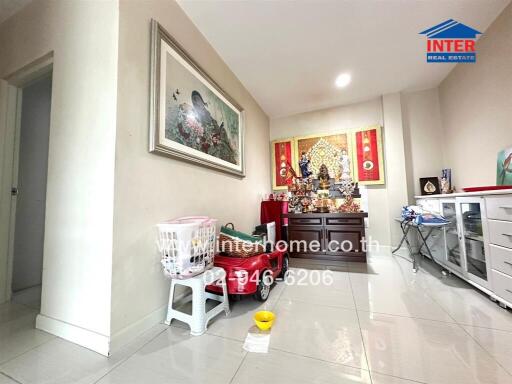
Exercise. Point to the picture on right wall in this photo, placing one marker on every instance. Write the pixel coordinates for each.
(369, 162)
(504, 167)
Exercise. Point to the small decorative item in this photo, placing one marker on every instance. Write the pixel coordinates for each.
(282, 157)
(304, 165)
(504, 167)
(369, 168)
(191, 117)
(345, 165)
(323, 205)
(347, 189)
(324, 178)
(429, 186)
(446, 181)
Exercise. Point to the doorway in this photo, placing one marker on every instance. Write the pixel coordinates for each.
(29, 190)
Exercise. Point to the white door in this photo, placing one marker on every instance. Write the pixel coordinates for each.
(30, 188)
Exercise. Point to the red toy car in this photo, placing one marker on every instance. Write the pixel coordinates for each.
(251, 275)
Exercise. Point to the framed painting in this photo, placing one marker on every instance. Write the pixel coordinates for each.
(368, 159)
(283, 156)
(191, 117)
(504, 167)
(333, 150)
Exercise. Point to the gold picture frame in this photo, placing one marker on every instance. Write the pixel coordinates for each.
(376, 150)
(278, 182)
(329, 147)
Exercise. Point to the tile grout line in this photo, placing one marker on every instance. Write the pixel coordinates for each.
(318, 359)
(239, 366)
(122, 361)
(401, 378)
(407, 317)
(292, 353)
(232, 339)
(485, 349)
(10, 377)
(27, 351)
(360, 330)
(461, 326)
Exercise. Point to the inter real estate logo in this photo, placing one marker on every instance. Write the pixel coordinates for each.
(451, 42)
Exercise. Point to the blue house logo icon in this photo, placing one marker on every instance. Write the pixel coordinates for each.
(451, 42)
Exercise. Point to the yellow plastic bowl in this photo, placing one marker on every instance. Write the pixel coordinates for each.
(264, 320)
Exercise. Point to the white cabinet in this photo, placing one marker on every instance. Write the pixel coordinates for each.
(477, 243)
(499, 209)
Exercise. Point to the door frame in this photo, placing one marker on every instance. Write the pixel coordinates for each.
(9, 160)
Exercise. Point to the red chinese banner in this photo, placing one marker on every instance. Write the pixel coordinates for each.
(282, 156)
(368, 156)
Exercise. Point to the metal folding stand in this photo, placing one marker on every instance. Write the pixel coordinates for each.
(406, 225)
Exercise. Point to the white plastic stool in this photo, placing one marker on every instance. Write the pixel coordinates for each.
(199, 318)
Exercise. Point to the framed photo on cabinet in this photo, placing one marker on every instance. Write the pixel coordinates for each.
(191, 117)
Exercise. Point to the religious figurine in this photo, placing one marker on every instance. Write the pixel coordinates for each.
(344, 165)
(347, 189)
(324, 178)
(446, 180)
(304, 163)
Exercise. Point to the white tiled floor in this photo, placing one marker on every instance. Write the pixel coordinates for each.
(377, 323)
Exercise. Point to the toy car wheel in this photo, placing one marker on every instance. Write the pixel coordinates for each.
(284, 269)
(263, 290)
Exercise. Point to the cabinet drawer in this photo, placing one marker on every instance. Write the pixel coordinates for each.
(430, 205)
(500, 233)
(499, 207)
(502, 285)
(345, 221)
(501, 259)
(306, 221)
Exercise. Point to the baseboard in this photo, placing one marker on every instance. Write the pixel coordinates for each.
(81, 336)
(129, 333)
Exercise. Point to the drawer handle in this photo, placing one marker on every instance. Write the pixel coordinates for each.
(507, 234)
(508, 263)
(506, 207)
(508, 290)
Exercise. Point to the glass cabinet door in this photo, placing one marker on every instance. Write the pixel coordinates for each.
(453, 251)
(472, 216)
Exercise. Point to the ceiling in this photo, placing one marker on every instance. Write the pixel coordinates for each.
(289, 53)
(10, 7)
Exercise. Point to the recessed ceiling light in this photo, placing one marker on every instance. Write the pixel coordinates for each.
(343, 80)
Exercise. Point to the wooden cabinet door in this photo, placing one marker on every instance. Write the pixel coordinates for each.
(306, 234)
(343, 236)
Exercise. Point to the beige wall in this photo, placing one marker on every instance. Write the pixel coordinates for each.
(83, 36)
(350, 117)
(423, 137)
(476, 107)
(151, 188)
(338, 119)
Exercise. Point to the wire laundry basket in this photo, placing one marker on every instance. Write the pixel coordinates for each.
(186, 245)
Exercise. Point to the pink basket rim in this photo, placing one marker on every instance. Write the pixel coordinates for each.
(189, 220)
